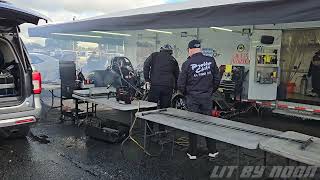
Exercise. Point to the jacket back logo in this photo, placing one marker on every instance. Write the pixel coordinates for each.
(201, 69)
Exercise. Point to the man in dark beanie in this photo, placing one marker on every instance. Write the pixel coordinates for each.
(198, 80)
(161, 71)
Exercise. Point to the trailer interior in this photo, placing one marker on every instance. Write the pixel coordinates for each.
(299, 47)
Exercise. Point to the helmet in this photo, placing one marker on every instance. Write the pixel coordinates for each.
(166, 47)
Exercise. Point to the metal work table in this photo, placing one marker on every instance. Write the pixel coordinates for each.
(112, 103)
(290, 150)
(238, 138)
(51, 88)
(93, 91)
(281, 147)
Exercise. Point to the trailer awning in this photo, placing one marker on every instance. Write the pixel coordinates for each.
(191, 14)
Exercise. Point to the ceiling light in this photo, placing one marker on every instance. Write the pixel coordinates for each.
(111, 33)
(222, 29)
(76, 35)
(158, 31)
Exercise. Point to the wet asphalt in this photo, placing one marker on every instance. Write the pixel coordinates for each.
(55, 150)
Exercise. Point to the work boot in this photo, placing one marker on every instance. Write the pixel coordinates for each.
(191, 156)
(213, 155)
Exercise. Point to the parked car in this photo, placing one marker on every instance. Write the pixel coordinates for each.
(20, 87)
(46, 65)
(95, 62)
(68, 55)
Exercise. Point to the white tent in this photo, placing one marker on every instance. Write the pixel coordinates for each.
(194, 13)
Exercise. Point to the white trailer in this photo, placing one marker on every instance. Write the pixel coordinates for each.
(267, 82)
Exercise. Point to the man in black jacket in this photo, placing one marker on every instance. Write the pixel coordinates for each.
(161, 71)
(314, 73)
(198, 80)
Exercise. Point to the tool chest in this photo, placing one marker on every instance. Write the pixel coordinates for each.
(7, 86)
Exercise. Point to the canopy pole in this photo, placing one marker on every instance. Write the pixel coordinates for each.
(123, 49)
(198, 33)
(157, 41)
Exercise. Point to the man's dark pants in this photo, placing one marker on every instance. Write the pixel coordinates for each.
(202, 105)
(161, 95)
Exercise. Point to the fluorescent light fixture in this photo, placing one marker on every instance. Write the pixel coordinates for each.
(222, 29)
(111, 33)
(76, 35)
(158, 31)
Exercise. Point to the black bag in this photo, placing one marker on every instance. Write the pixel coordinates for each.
(113, 132)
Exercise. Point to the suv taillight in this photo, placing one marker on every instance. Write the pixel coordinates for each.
(36, 81)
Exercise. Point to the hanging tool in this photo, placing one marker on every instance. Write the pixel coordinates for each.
(304, 144)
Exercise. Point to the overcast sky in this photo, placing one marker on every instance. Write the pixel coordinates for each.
(65, 10)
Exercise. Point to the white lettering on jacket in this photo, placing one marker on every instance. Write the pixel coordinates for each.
(199, 68)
